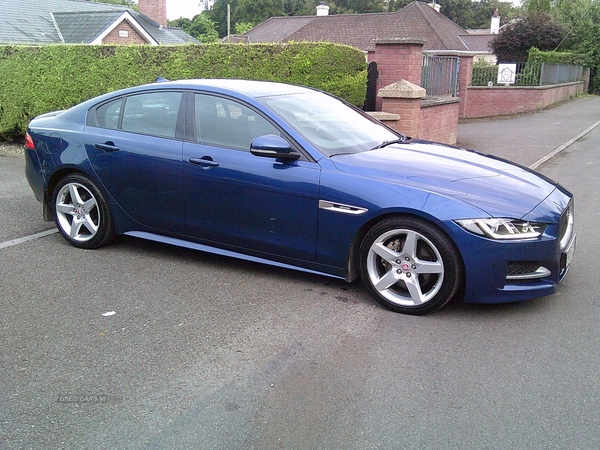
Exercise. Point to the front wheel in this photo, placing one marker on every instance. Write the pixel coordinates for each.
(82, 214)
(410, 266)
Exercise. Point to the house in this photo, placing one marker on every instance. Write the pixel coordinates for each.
(479, 40)
(39, 22)
(417, 20)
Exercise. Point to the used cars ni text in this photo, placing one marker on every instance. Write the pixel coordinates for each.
(294, 177)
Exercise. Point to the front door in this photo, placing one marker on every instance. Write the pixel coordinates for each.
(236, 199)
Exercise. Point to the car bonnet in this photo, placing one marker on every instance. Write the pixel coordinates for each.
(498, 187)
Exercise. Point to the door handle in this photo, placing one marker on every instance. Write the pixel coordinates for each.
(107, 147)
(205, 161)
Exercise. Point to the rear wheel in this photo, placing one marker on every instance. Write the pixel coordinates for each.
(81, 212)
(410, 266)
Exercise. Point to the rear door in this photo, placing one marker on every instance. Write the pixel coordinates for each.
(135, 147)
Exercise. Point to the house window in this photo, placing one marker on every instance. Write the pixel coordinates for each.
(123, 33)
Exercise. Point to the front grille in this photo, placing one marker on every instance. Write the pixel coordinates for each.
(566, 226)
(521, 267)
(522, 272)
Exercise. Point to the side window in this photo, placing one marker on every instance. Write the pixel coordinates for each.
(153, 113)
(107, 115)
(227, 123)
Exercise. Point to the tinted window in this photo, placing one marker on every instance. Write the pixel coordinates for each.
(107, 115)
(152, 113)
(227, 123)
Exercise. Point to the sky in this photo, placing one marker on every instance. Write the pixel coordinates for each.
(183, 8)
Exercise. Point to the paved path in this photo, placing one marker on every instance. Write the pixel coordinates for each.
(528, 138)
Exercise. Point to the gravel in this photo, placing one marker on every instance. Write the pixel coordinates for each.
(11, 149)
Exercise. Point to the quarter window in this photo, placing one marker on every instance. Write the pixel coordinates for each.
(107, 115)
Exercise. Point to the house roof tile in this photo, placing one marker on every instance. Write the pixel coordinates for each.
(416, 20)
(478, 42)
(84, 27)
(34, 22)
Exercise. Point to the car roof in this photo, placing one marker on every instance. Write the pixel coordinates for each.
(252, 88)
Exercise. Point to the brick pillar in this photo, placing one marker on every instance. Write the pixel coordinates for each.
(397, 59)
(403, 98)
(155, 9)
(465, 76)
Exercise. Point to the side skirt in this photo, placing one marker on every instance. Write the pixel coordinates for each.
(220, 251)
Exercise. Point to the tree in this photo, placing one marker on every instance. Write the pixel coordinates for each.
(459, 12)
(582, 28)
(243, 27)
(535, 30)
(200, 27)
(396, 5)
(477, 13)
(359, 6)
(218, 14)
(537, 6)
(484, 9)
(468, 13)
(299, 7)
(257, 11)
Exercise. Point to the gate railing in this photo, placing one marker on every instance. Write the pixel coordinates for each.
(439, 76)
(528, 74)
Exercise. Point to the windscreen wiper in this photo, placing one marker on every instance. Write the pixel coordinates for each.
(402, 138)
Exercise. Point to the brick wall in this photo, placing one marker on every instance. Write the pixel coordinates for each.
(397, 59)
(438, 120)
(133, 36)
(400, 63)
(408, 110)
(155, 9)
(483, 101)
(465, 77)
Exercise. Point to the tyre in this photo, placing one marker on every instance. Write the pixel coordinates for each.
(81, 212)
(410, 266)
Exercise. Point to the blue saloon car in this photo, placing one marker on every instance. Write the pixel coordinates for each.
(294, 177)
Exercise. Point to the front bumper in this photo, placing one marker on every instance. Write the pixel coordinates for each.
(509, 271)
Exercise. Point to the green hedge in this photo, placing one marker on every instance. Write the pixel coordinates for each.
(35, 80)
(538, 56)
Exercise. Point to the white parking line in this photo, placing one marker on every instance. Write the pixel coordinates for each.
(552, 154)
(27, 238)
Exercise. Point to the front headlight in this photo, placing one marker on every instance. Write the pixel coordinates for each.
(503, 228)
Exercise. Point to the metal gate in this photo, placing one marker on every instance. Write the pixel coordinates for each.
(440, 75)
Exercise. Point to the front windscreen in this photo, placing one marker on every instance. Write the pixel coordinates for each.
(328, 124)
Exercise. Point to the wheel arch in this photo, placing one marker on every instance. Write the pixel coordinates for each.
(53, 181)
(353, 259)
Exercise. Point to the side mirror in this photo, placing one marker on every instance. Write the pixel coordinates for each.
(271, 146)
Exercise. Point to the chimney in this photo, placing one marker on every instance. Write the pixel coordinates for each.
(435, 5)
(155, 9)
(495, 27)
(322, 9)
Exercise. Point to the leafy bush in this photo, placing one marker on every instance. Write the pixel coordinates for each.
(534, 30)
(35, 80)
(536, 55)
(484, 72)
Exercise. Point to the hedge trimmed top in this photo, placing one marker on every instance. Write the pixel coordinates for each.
(35, 80)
